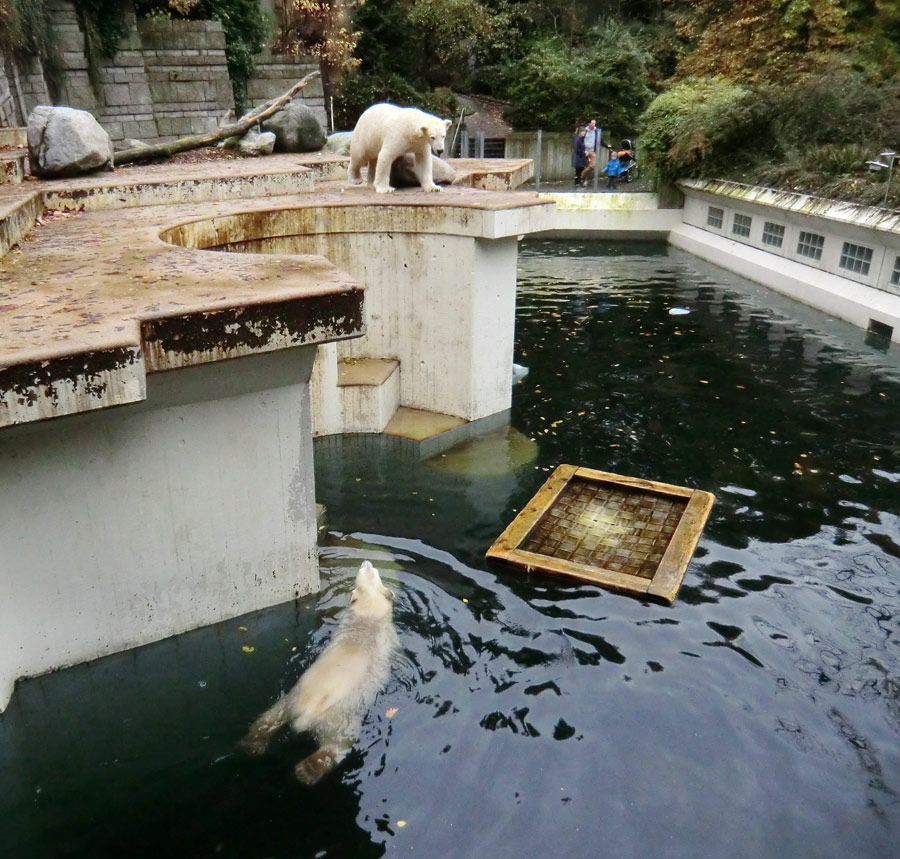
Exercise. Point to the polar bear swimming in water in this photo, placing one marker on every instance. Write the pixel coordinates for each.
(385, 132)
(334, 693)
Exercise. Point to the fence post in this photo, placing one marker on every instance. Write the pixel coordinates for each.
(480, 144)
(464, 144)
(537, 162)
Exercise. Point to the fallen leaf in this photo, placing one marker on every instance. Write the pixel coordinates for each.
(247, 648)
(401, 823)
(391, 712)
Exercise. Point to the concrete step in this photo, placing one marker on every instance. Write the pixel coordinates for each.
(369, 389)
(20, 206)
(419, 425)
(13, 166)
(13, 136)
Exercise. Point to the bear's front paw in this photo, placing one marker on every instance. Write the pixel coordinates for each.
(387, 189)
(432, 187)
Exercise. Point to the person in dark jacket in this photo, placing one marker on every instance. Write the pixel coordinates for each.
(579, 156)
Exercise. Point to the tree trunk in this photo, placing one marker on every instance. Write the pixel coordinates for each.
(196, 141)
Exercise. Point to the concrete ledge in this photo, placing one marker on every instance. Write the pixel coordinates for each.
(20, 207)
(211, 181)
(12, 167)
(369, 392)
(17, 136)
(615, 215)
(96, 301)
(342, 209)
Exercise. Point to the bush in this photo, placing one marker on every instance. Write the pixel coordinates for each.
(556, 86)
(358, 90)
(701, 128)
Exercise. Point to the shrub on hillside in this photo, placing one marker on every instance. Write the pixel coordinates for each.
(701, 128)
(555, 85)
(358, 90)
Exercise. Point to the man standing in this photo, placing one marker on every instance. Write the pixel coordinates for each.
(590, 136)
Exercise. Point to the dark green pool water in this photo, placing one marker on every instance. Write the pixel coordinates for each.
(757, 717)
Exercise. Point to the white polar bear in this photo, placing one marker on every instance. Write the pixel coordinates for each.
(384, 132)
(334, 693)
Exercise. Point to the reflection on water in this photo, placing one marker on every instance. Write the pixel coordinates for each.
(759, 716)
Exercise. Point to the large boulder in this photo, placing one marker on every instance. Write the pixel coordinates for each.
(296, 129)
(339, 142)
(252, 143)
(402, 175)
(63, 141)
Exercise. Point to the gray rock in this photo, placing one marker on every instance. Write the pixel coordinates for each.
(133, 143)
(339, 142)
(296, 129)
(63, 141)
(252, 143)
(402, 175)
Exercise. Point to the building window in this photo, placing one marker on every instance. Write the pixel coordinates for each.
(715, 217)
(773, 234)
(741, 225)
(856, 258)
(895, 277)
(810, 245)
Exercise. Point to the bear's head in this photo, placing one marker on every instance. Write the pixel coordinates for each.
(370, 598)
(435, 131)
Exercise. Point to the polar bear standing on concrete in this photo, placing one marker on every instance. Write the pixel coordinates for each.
(334, 693)
(384, 132)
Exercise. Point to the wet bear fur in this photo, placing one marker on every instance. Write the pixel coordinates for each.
(335, 692)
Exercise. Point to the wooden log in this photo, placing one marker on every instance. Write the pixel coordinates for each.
(197, 141)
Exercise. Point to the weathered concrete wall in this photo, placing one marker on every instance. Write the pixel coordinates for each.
(128, 525)
(443, 305)
(440, 290)
(616, 215)
(168, 79)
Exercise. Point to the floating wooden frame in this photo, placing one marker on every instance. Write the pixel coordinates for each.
(622, 533)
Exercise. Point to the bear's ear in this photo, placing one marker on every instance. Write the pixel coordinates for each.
(425, 131)
(447, 124)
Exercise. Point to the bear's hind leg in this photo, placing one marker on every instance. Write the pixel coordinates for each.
(257, 739)
(321, 762)
(353, 174)
(370, 172)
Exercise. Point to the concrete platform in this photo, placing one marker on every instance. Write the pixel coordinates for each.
(418, 425)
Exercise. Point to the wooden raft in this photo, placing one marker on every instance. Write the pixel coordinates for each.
(618, 532)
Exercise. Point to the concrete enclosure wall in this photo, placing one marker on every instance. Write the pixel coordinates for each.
(128, 525)
(168, 79)
(441, 305)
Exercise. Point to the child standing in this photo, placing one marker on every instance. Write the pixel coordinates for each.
(613, 170)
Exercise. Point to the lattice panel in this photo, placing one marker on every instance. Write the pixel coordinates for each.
(602, 525)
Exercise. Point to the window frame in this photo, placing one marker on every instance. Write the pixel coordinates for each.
(810, 245)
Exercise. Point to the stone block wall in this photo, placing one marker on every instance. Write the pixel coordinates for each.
(168, 79)
(186, 75)
(276, 73)
(9, 110)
